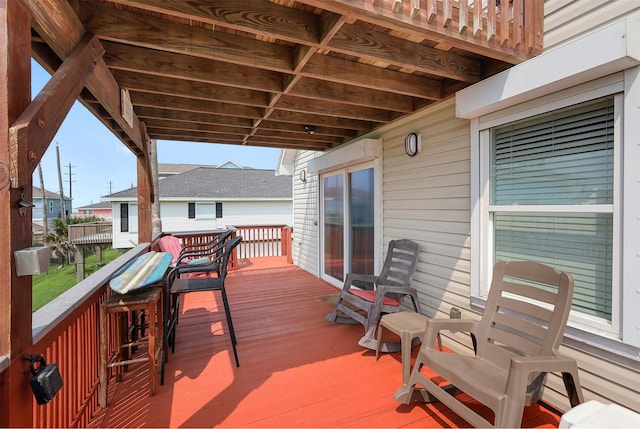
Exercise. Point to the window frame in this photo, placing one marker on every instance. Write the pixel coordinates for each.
(482, 228)
(124, 217)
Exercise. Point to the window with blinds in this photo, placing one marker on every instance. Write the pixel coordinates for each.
(563, 158)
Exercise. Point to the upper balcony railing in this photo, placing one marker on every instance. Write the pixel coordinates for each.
(90, 233)
(496, 28)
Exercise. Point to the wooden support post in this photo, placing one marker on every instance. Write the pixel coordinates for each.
(80, 262)
(16, 406)
(144, 200)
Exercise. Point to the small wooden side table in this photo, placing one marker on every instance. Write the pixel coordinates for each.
(147, 299)
(409, 326)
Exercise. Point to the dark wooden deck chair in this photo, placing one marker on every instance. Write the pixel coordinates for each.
(195, 258)
(376, 295)
(517, 345)
(178, 285)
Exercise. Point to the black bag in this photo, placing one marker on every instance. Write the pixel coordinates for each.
(46, 380)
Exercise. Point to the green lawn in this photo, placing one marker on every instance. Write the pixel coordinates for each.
(58, 279)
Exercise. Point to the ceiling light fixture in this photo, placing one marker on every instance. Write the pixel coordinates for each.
(310, 129)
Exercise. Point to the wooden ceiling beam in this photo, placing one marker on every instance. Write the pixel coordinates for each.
(304, 143)
(320, 120)
(283, 135)
(349, 72)
(192, 117)
(171, 36)
(256, 16)
(195, 126)
(367, 43)
(348, 94)
(206, 138)
(298, 128)
(186, 88)
(327, 108)
(182, 66)
(168, 102)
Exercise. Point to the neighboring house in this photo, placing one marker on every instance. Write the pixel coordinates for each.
(102, 210)
(537, 162)
(208, 198)
(52, 204)
(166, 170)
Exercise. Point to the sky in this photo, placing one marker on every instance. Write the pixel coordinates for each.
(101, 164)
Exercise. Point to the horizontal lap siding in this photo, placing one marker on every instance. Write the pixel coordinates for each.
(306, 218)
(426, 198)
(565, 19)
(603, 378)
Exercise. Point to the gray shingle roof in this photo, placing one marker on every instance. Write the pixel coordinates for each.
(100, 205)
(37, 194)
(222, 183)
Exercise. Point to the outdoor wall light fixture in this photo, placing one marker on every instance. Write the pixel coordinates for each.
(310, 129)
(412, 144)
(303, 175)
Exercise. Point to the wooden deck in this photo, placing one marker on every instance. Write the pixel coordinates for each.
(296, 369)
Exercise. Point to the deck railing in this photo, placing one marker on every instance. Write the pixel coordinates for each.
(90, 233)
(514, 27)
(265, 240)
(66, 331)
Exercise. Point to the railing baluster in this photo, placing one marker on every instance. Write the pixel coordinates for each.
(517, 23)
(505, 13)
(447, 13)
(463, 19)
(432, 10)
(491, 20)
(477, 18)
(415, 8)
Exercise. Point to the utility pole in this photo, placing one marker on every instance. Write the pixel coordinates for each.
(63, 210)
(70, 181)
(45, 227)
(156, 222)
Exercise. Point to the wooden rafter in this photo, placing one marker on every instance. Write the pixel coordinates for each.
(227, 71)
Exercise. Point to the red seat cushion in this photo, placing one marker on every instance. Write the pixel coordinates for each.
(370, 295)
(170, 244)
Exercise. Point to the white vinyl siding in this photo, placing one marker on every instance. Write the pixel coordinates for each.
(306, 215)
(564, 19)
(426, 198)
(174, 215)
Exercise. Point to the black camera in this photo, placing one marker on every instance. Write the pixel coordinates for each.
(46, 380)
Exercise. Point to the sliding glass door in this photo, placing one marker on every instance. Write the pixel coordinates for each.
(348, 222)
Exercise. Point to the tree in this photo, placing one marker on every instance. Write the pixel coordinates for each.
(58, 238)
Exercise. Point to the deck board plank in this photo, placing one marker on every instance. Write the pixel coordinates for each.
(297, 370)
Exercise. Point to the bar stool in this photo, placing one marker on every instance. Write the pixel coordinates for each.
(147, 299)
(409, 326)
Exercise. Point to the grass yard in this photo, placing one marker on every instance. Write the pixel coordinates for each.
(58, 279)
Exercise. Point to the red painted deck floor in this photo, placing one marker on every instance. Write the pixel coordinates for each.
(296, 369)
